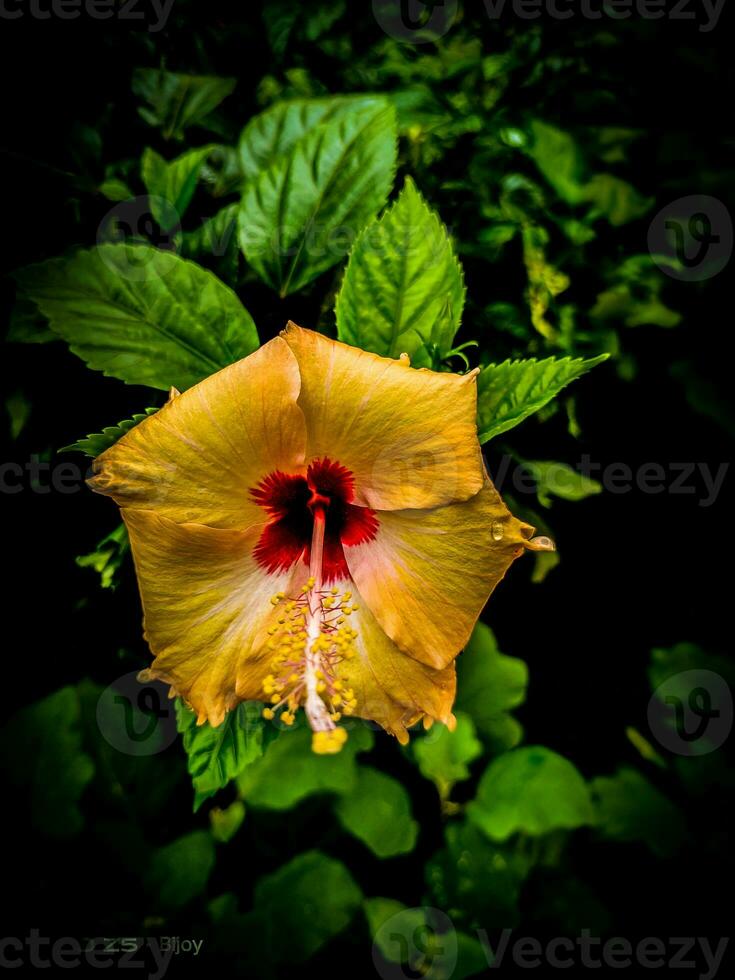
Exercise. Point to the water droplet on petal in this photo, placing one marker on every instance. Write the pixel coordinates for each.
(497, 531)
(540, 543)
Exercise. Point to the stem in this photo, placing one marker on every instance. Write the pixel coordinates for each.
(316, 710)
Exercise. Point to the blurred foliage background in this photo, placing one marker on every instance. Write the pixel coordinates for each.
(547, 148)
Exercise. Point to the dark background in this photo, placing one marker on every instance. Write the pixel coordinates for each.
(638, 571)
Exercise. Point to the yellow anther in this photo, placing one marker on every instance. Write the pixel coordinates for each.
(334, 591)
(347, 596)
(268, 714)
(338, 685)
(275, 698)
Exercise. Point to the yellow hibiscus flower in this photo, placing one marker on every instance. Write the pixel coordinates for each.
(313, 527)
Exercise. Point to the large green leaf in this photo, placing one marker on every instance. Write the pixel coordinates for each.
(531, 790)
(179, 871)
(217, 755)
(377, 810)
(508, 393)
(177, 101)
(44, 758)
(141, 314)
(489, 685)
(403, 290)
(302, 905)
(443, 756)
(289, 771)
(302, 214)
(628, 807)
(272, 134)
(171, 185)
(97, 442)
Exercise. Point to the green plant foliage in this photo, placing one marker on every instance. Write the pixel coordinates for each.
(530, 790)
(306, 902)
(489, 685)
(42, 745)
(289, 771)
(171, 185)
(629, 808)
(216, 239)
(443, 756)
(377, 810)
(508, 393)
(97, 442)
(225, 823)
(142, 315)
(179, 871)
(555, 479)
(403, 269)
(299, 217)
(108, 557)
(217, 755)
(177, 101)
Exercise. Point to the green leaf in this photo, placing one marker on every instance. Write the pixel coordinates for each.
(27, 324)
(290, 771)
(108, 557)
(301, 906)
(142, 315)
(508, 393)
(422, 941)
(559, 159)
(478, 880)
(489, 685)
(616, 200)
(556, 479)
(171, 185)
(18, 409)
(179, 871)
(98, 442)
(668, 662)
(217, 755)
(215, 241)
(530, 790)
(272, 134)
(302, 214)
(377, 810)
(177, 101)
(225, 823)
(629, 808)
(402, 270)
(44, 758)
(442, 756)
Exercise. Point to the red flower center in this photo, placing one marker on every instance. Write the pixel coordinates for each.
(290, 501)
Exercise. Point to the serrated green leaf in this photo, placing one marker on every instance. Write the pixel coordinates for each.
(97, 442)
(215, 756)
(108, 557)
(272, 134)
(443, 756)
(177, 101)
(171, 185)
(377, 810)
(265, 783)
(508, 393)
(44, 758)
(402, 270)
(179, 871)
(489, 685)
(530, 790)
(299, 217)
(628, 808)
(142, 315)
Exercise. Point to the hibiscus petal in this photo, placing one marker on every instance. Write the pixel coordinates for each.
(391, 688)
(427, 574)
(408, 436)
(206, 605)
(197, 458)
